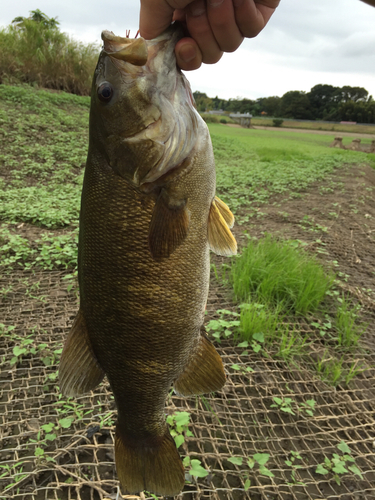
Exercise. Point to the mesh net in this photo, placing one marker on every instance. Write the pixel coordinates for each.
(56, 448)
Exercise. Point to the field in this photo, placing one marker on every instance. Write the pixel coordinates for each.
(292, 317)
(336, 128)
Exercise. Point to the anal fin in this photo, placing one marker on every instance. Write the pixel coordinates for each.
(79, 371)
(203, 373)
(151, 464)
(169, 226)
(220, 238)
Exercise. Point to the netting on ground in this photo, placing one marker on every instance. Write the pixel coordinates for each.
(57, 448)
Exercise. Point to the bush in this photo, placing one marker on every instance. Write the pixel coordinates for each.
(223, 120)
(277, 122)
(32, 51)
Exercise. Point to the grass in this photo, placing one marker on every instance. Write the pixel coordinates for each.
(278, 286)
(252, 165)
(272, 272)
(329, 127)
(44, 56)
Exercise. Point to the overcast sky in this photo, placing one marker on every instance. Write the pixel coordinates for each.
(305, 43)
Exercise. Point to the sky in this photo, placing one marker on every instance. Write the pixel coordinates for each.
(305, 43)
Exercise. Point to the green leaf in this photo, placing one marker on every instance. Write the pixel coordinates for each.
(48, 427)
(261, 458)
(278, 401)
(321, 470)
(250, 462)
(186, 462)
(265, 472)
(197, 470)
(66, 422)
(243, 344)
(182, 418)
(236, 367)
(18, 351)
(339, 468)
(179, 440)
(39, 452)
(256, 347)
(344, 447)
(355, 469)
(259, 336)
(286, 409)
(235, 460)
(247, 484)
(50, 437)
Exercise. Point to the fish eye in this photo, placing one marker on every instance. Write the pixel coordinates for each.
(105, 92)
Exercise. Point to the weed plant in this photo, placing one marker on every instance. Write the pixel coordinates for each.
(33, 52)
(269, 271)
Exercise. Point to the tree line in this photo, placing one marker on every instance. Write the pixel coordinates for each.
(323, 102)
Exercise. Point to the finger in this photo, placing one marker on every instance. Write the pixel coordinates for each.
(188, 54)
(223, 24)
(199, 28)
(253, 15)
(156, 15)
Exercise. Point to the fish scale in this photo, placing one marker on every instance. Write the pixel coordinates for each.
(143, 262)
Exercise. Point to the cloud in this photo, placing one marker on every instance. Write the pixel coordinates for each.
(305, 43)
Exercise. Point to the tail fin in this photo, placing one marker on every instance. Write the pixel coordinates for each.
(153, 464)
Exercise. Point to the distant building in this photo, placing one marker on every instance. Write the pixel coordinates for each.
(216, 112)
(244, 119)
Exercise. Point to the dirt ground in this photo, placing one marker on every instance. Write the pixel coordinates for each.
(336, 219)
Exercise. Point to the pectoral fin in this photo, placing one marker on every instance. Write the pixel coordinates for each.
(203, 373)
(220, 238)
(79, 371)
(169, 226)
(225, 211)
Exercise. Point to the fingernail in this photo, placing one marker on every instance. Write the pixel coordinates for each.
(215, 3)
(187, 53)
(197, 9)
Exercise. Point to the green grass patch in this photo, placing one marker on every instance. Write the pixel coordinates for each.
(252, 165)
(47, 252)
(324, 126)
(280, 274)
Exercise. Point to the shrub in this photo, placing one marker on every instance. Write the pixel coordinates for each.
(32, 51)
(277, 122)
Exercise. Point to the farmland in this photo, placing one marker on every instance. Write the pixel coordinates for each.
(295, 419)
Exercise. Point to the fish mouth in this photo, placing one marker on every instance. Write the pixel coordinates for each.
(138, 51)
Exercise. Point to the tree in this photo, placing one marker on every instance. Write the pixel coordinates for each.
(38, 17)
(271, 105)
(324, 101)
(295, 104)
(353, 94)
(202, 102)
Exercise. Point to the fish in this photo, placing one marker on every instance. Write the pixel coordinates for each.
(148, 220)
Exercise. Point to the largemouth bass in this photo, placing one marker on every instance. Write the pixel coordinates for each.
(149, 217)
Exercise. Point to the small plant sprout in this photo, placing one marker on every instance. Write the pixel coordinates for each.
(283, 404)
(223, 327)
(261, 459)
(196, 470)
(291, 462)
(308, 407)
(179, 423)
(242, 368)
(339, 464)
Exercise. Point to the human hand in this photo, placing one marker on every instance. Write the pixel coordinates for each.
(215, 26)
